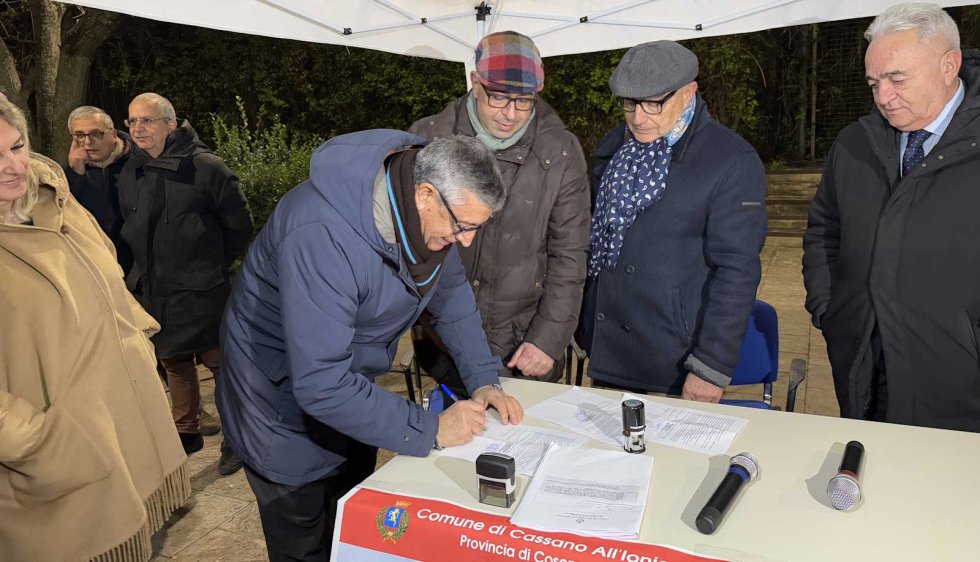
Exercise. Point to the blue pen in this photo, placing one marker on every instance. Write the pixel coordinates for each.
(449, 393)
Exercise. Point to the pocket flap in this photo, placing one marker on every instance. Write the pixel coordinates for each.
(66, 460)
(201, 280)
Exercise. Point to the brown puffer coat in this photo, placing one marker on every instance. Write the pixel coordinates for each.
(527, 268)
(90, 462)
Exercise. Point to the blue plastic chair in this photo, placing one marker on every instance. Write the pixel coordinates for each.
(759, 360)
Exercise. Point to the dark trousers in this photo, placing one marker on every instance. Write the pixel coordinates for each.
(298, 521)
(185, 387)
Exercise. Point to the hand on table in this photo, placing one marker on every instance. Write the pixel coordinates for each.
(507, 406)
(460, 422)
(700, 390)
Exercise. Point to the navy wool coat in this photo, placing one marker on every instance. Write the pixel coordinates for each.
(687, 275)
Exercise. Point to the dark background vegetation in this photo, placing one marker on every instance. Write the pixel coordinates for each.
(265, 103)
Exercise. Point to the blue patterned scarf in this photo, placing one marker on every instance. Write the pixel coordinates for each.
(634, 179)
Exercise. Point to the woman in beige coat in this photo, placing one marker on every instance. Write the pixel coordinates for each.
(90, 462)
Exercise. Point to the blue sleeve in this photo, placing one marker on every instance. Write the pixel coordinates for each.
(319, 276)
(456, 319)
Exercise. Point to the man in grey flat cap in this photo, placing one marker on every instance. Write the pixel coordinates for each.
(678, 223)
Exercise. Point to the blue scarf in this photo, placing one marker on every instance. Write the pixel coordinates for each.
(634, 179)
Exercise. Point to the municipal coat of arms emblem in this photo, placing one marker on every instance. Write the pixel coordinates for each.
(392, 521)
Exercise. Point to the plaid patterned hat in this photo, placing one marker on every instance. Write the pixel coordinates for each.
(509, 62)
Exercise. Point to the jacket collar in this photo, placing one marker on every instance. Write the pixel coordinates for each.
(53, 193)
(959, 140)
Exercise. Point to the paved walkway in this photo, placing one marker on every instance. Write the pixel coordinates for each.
(221, 521)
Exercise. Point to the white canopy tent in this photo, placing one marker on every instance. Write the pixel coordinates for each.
(449, 29)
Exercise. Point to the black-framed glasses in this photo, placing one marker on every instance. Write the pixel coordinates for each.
(92, 135)
(145, 121)
(460, 228)
(650, 107)
(497, 100)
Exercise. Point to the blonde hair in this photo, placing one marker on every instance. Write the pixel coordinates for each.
(21, 209)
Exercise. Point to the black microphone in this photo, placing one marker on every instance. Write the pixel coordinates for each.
(743, 468)
(844, 489)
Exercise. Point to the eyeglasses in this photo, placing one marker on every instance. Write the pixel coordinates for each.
(650, 107)
(145, 121)
(460, 228)
(93, 135)
(497, 100)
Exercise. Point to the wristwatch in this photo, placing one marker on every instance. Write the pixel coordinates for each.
(497, 386)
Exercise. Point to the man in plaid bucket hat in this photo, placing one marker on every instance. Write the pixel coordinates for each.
(526, 268)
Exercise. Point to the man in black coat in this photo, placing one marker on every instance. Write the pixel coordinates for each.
(678, 225)
(186, 220)
(97, 155)
(891, 254)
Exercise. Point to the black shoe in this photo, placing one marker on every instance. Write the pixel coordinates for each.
(192, 442)
(229, 463)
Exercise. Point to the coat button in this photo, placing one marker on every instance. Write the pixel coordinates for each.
(61, 203)
(600, 317)
(547, 161)
(630, 269)
(564, 153)
(537, 284)
(64, 230)
(625, 328)
(476, 282)
(940, 157)
(519, 157)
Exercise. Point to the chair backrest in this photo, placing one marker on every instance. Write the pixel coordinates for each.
(759, 360)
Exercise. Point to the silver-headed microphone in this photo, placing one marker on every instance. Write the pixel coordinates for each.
(844, 489)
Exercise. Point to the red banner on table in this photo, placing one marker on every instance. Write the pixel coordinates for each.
(430, 530)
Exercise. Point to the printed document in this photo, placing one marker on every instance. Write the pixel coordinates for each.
(526, 444)
(584, 412)
(593, 492)
(690, 429)
(601, 419)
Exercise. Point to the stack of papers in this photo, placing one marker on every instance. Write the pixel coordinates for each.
(526, 444)
(590, 492)
(601, 419)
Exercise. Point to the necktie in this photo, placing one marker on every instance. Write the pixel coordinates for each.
(913, 150)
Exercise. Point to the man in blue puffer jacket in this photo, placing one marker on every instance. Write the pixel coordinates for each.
(346, 263)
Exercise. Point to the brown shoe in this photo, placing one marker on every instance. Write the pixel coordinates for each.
(210, 425)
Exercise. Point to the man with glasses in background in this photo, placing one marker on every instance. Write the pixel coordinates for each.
(97, 155)
(186, 220)
(527, 268)
(346, 263)
(678, 224)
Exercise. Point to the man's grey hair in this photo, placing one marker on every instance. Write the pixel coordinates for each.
(166, 108)
(90, 111)
(457, 164)
(929, 19)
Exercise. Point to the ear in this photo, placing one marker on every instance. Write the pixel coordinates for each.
(692, 91)
(172, 125)
(473, 80)
(424, 196)
(950, 65)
